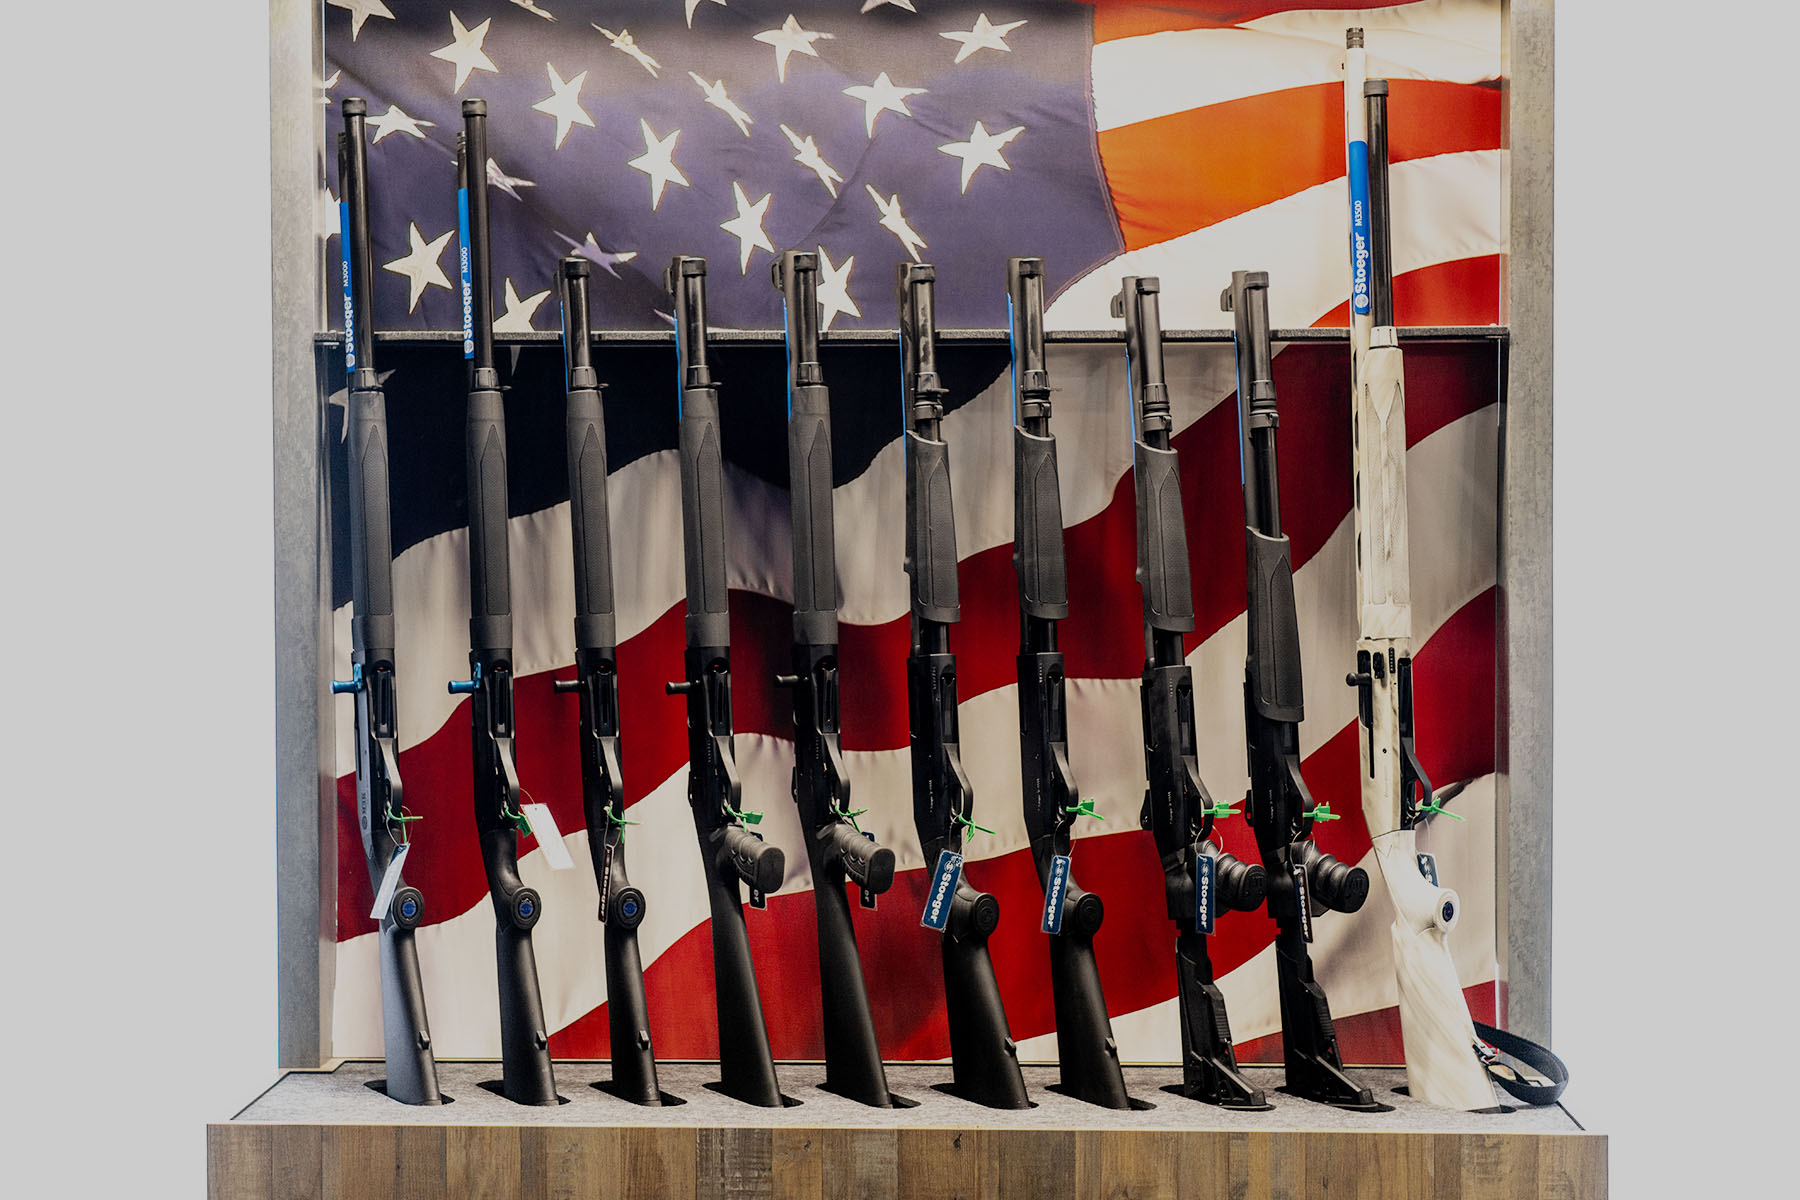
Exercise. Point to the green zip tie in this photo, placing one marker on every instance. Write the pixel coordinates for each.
(1434, 808)
(1220, 811)
(1322, 812)
(517, 818)
(748, 818)
(1085, 808)
(848, 814)
(968, 824)
(614, 819)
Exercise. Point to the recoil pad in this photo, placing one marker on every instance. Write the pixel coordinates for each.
(1335, 885)
(1082, 912)
(626, 908)
(1240, 886)
(973, 913)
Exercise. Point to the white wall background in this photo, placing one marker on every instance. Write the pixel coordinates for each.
(139, 941)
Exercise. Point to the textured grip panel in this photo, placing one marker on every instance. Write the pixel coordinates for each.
(1274, 668)
(1162, 541)
(588, 516)
(1038, 527)
(809, 490)
(931, 530)
(703, 519)
(490, 592)
(371, 530)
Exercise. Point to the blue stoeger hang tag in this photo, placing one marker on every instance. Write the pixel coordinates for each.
(1203, 893)
(758, 899)
(468, 288)
(1054, 890)
(943, 887)
(1303, 900)
(1428, 868)
(349, 295)
(868, 897)
(1359, 228)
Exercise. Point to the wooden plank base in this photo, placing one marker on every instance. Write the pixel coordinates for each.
(596, 1162)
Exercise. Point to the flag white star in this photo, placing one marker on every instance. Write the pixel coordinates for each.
(787, 40)
(810, 158)
(834, 289)
(623, 41)
(518, 314)
(507, 183)
(882, 96)
(325, 86)
(530, 6)
(465, 50)
(715, 96)
(746, 227)
(396, 121)
(604, 259)
(420, 266)
(981, 150)
(985, 36)
(360, 11)
(693, 4)
(658, 162)
(894, 221)
(564, 103)
(871, 5)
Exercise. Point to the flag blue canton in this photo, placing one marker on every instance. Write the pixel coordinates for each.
(761, 125)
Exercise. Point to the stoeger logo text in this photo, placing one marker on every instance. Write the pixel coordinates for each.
(1203, 902)
(1053, 894)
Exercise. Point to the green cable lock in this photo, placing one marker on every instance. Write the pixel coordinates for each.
(1219, 812)
(1085, 808)
(1322, 812)
(1434, 808)
(966, 823)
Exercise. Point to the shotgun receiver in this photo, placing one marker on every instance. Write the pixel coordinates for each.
(406, 1034)
(596, 686)
(1303, 881)
(984, 1062)
(524, 1041)
(1200, 880)
(1087, 1055)
(1443, 1063)
(836, 850)
(730, 852)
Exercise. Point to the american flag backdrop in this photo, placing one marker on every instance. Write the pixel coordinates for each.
(1180, 140)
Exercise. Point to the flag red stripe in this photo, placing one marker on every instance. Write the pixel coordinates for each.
(1243, 154)
(1374, 1037)
(1455, 673)
(1102, 638)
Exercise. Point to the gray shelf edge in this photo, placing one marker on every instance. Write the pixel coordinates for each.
(773, 337)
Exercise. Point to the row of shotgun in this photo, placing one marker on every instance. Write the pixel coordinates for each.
(1448, 1062)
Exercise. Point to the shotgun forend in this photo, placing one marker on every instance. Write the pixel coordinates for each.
(1303, 881)
(1086, 1052)
(984, 1060)
(406, 1034)
(1443, 1052)
(524, 1038)
(1200, 880)
(731, 853)
(596, 686)
(837, 851)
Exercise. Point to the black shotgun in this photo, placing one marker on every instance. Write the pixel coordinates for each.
(1200, 880)
(1086, 1052)
(836, 849)
(596, 685)
(984, 1062)
(406, 1034)
(731, 853)
(1303, 881)
(524, 1042)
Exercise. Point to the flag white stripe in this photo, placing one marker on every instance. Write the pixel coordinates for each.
(456, 955)
(1156, 74)
(1445, 208)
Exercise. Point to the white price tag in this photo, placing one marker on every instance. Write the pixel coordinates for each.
(548, 835)
(384, 895)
